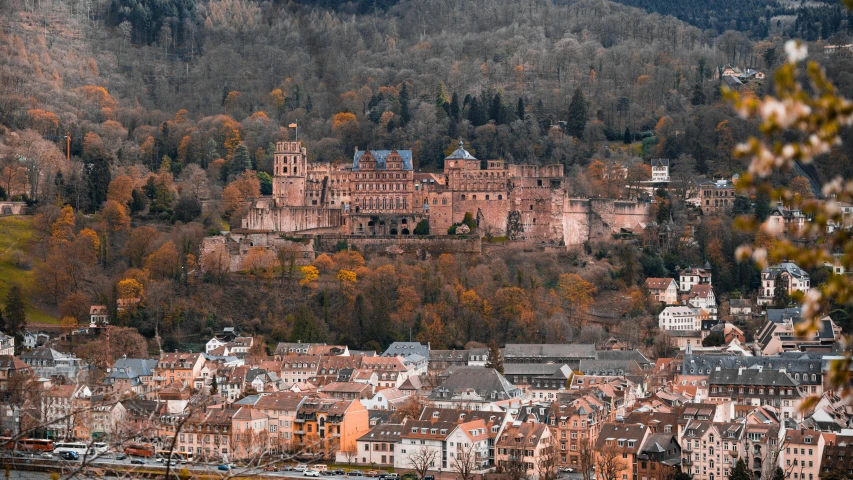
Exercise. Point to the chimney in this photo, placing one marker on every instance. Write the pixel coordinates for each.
(739, 370)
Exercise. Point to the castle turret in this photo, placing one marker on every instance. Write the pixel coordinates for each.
(290, 165)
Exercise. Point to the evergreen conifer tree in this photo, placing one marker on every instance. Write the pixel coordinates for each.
(454, 107)
(698, 95)
(627, 138)
(578, 115)
(405, 115)
(740, 472)
(241, 161)
(15, 314)
(495, 359)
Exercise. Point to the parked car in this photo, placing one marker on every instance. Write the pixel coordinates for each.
(355, 473)
(428, 477)
(409, 476)
(339, 472)
(224, 467)
(121, 456)
(372, 473)
(300, 468)
(311, 473)
(390, 476)
(47, 455)
(137, 461)
(286, 468)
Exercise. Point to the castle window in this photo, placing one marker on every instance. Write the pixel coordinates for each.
(473, 197)
(531, 207)
(463, 197)
(295, 171)
(284, 169)
(435, 201)
(500, 197)
(444, 201)
(539, 183)
(487, 197)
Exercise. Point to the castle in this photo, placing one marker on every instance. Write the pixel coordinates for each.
(380, 194)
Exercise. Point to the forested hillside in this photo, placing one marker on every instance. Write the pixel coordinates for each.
(172, 108)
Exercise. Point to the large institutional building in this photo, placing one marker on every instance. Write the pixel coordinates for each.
(381, 194)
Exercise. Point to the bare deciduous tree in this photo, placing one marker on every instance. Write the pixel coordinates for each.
(586, 457)
(465, 461)
(547, 462)
(514, 466)
(608, 463)
(412, 407)
(350, 452)
(422, 460)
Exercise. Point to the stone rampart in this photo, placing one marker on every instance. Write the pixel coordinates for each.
(396, 245)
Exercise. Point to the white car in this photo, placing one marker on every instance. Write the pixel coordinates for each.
(311, 473)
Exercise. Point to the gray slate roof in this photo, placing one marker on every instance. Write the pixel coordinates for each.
(608, 367)
(132, 368)
(404, 349)
(792, 362)
(549, 350)
(484, 381)
(460, 153)
(534, 369)
(789, 267)
(623, 355)
(751, 376)
(381, 156)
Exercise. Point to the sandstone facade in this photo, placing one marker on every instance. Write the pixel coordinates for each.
(380, 194)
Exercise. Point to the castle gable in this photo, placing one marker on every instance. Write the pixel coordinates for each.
(382, 158)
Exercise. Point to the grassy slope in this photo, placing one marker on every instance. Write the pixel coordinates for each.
(15, 235)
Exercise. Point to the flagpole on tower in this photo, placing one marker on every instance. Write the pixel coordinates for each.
(296, 126)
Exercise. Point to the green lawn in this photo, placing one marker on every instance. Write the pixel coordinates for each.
(15, 235)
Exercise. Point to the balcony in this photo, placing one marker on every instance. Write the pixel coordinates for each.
(299, 432)
(158, 379)
(686, 461)
(298, 420)
(733, 453)
(687, 448)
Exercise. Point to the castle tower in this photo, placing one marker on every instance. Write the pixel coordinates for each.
(290, 166)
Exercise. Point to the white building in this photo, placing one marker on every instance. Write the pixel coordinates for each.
(694, 276)
(213, 344)
(660, 170)
(702, 296)
(7, 344)
(796, 280)
(680, 318)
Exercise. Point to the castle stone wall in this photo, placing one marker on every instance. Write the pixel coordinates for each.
(264, 216)
(433, 245)
(237, 245)
(596, 219)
